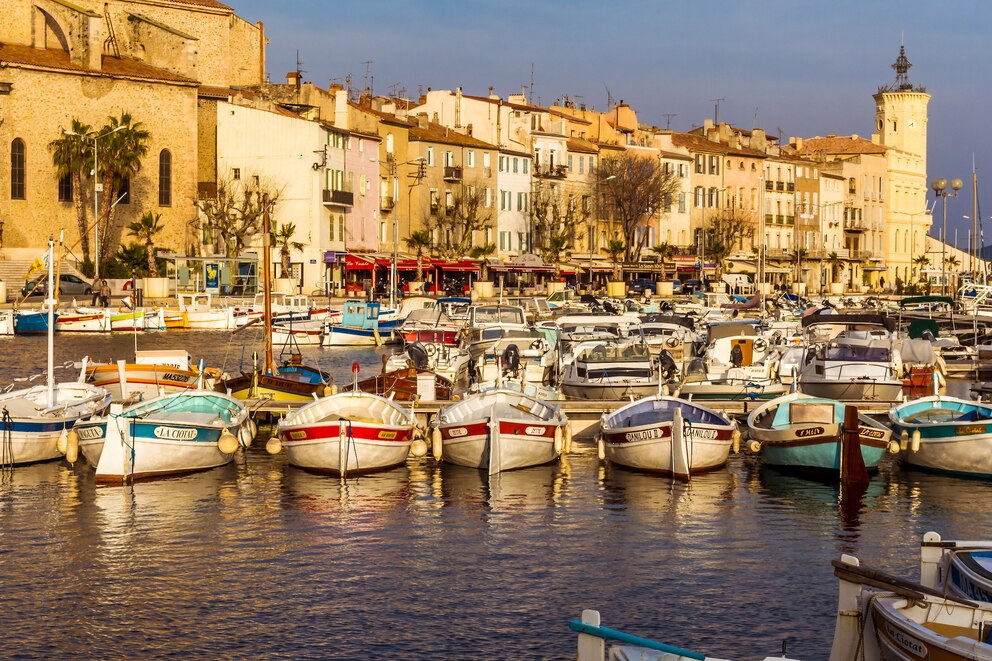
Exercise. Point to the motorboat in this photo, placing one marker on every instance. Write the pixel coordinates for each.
(667, 435)
(172, 434)
(957, 568)
(612, 372)
(945, 434)
(359, 327)
(522, 353)
(671, 333)
(408, 384)
(880, 617)
(487, 324)
(851, 357)
(347, 434)
(803, 433)
(499, 430)
(198, 312)
(738, 363)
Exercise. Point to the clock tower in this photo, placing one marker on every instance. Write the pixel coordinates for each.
(901, 111)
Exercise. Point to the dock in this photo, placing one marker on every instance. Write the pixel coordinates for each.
(584, 414)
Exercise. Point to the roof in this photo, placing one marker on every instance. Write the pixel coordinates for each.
(675, 155)
(444, 135)
(580, 145)
(498, 101)
(571, 118)
(845, 144)
(58, 59)
(210, 92)
(210, 4)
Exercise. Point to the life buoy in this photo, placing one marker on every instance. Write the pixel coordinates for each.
(760, 344)
(673, 342)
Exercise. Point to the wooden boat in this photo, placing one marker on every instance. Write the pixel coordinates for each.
(408, 384)
(82, 321)
(33, 322)
(168, 435)
(359, 327)
(347, 434)
(881, 617)
(804, 433)
(499, 430)
(667, 435)
(957, 568)
(945, 434)
(153, 373)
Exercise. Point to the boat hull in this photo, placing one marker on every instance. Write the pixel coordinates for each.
(947, 444)
(617, 391)
(350, 449)
(31, 434)
(818, 447)
(499, 445)
(855, 390)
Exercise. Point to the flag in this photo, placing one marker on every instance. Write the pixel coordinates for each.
(39, 264)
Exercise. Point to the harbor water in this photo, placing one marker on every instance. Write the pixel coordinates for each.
(259, 559)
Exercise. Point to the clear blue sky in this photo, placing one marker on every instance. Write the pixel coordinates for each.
(805, 67)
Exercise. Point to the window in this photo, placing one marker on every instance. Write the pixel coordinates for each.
(236, 174)
(681, 202)
(449, 159)
(470, 159)
(430, 156)
(516, 164)
(341, 227)
(164, 178)
(331, 229)
(489, 197)
(714, 165)
(569, 163)
(526, 165)
(698, 202)
(712, 197)
(389, 143)
(485, 160)
(17, 172)
(700, 164)
(65, 188)
(362, 182)
(520, 201)
(582, 162)
(592, 163)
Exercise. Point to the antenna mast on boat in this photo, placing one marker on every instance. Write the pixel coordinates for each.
(269, 367)
(50, 302)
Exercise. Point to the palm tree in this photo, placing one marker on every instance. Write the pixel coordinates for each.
(835, 263)
(283, 239)
(145, 229)
(556, 250)
(419, 242)
(615, 250)
(483, 252)
(120, 159)
(664, 252)
(72, 155)
(133, 257)
(922, 261)
(951, 261)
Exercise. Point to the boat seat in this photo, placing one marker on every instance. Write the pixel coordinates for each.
(973, 415)
(934, 415)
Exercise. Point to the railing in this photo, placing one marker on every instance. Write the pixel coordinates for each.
(791, 187)
(452, 173)
(769, 218)
(780, 185)
(339, 197)
(386, 202)
(769, 185)
(554, 171)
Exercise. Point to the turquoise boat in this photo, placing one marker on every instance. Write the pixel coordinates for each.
(945, 434)
(804, 433)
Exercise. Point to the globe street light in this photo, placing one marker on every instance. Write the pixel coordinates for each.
(97, 187)
(939, 187)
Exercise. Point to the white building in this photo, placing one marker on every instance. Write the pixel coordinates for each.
(513, 181)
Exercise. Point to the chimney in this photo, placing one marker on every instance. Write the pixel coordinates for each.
(492, 93)
(422, 120)
(723, 133)
(341, 110)
(855, 136)
(91, 55)
(799, 143)
(458, 107)
(293, 78)
(707, 126)
(759, 140)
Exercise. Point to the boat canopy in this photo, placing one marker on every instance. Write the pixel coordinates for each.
(851, 320)
(925, 300)
(678, 320)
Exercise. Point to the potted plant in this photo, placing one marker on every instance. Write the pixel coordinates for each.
(145, 229)
(665, 287)
(419, 242)
(836, 286)
(283, 239)
(483, 287)
(616, 250)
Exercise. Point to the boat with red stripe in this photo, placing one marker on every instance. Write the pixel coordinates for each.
(499, 430)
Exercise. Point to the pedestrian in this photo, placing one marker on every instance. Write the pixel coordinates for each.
(881, 283)
(94, 292)
(104, 293)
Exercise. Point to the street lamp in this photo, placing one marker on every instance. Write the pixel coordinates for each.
(592, 237)
(939, 187)
(97, 188)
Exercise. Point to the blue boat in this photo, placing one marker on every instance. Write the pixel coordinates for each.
(359, 327)
(804, 433)
(945, 434)
(31, 323)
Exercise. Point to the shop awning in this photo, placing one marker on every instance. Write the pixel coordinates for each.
(356, 262)
(456, 265)
(507, 267)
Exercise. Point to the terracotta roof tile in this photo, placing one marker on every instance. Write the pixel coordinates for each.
(59, 59)
(444, 135)
(212, 4)
(580, 145)
(840, 145)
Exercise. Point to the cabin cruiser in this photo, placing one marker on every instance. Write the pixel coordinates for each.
(521, 353)
(851, 357)
(671, 333)
(738, 362)
(612, 372)
(486, 324)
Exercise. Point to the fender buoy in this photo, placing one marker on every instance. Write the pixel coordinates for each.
(915, 441)
(274, 445)
(568, 438)
(418, 448)
(754, 446)
(228, 442)
(904, 440)
(893, 447)
(559, 442)
(601, 449)
(60, 444)
(437, 445)
(736, 438)
(72, 446)
(244, 435)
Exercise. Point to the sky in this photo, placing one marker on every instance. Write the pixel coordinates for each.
(799, 67)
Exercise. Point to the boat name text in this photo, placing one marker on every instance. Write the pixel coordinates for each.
(175, 433)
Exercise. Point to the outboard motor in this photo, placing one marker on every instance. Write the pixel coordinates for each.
(736, 356)
(669, 369)
(611, 307)
(511, 359)
(418, 355)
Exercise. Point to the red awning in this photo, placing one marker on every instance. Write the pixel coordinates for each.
(521, 268)
(358, 262)
(462, 265)
(402, 264)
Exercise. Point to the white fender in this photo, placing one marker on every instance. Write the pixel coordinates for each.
(559, 442)
(754, 446)
(437, 444)
(72, 446)
(60, 444)
(274, 445)
(568, 438)
(736, 436)
(228, 442)
(601, 447)
(904, 440)
(418, 448)
(915, 442)
(893, 447)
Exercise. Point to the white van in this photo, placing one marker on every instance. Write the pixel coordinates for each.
(738, 283)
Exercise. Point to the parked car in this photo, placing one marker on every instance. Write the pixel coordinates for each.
(692, 286)
(68, 284)
(676, 286)
(641, 285)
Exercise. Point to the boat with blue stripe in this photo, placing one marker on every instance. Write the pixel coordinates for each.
(945, 435)
(168, 435)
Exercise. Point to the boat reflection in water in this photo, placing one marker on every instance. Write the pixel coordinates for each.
(538, 488)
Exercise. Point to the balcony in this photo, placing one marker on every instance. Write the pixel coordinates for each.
(386, 203)
(791, 187)
(780, 185)
(550, 171)
(769, 185)
(452, 173)
(338, 198)
(769, 218)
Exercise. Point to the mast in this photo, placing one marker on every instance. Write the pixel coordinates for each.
(269, 366)
(50, 302)
(974, 221)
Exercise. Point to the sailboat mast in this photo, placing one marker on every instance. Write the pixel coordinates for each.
(267, 284)
(50, 302)
(974, 221)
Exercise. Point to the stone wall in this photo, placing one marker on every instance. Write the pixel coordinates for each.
(42, 104)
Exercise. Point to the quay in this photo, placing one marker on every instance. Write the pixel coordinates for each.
(584, 414)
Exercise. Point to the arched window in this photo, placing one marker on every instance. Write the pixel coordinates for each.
(164, 178)
(17, 169)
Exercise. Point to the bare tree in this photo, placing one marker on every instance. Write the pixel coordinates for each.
(556, 218)
(455, 216)
(234, 216)
(726, 229)
(633, 188)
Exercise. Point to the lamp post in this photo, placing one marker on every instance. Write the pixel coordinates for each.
(939, 187)
(97, 188)
(599, 210)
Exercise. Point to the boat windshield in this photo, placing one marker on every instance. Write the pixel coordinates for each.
(856, 353)
(499, 316)
(618, 372)
(630, 353)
